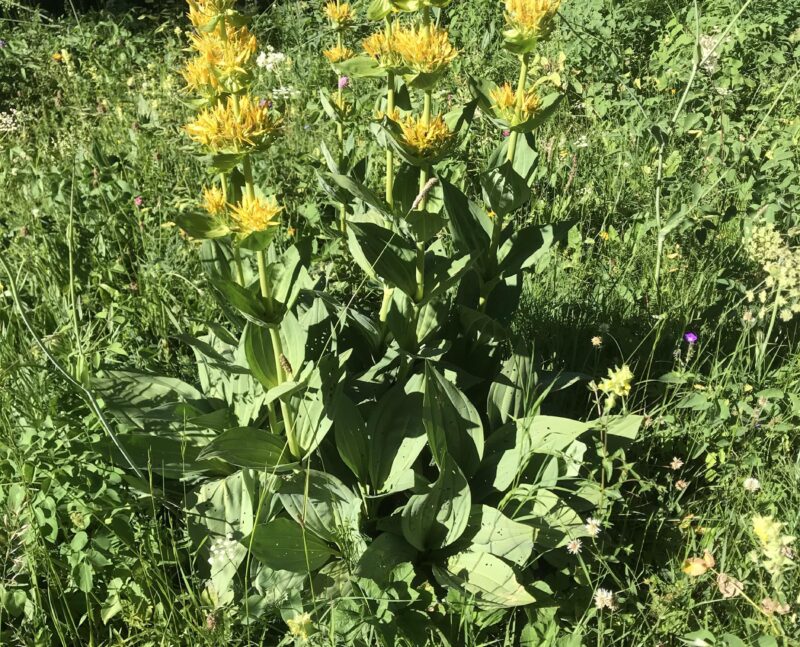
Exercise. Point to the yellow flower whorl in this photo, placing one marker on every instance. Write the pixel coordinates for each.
(504, 100)
(338, 54)
(528, 21)
(223, 128)
(214, 201)
(426, 141)
(426, 51)
(341, 14)
(254, 214)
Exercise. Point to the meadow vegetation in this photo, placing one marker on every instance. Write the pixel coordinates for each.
(400, 322)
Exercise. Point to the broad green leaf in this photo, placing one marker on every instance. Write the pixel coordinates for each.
(470, 226)
(386, 253)
(438, 517)
(396, 435)
(352, 441)
(382, 555)
(625, 427)
(490, 531)
(454, 427)
(504, 190)
(260, 357)
(275, 586)
(524, 248)
(551, 434)
(281, 544)
(287, 277)
(511, 395)
(491, 580)
(378, 9)
(322, 504)
(201, 225)
(360, 66)
(248, 447)
(441, 273)
(83, 574)
(246, 301)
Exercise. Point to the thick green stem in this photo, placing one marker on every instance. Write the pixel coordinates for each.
(424, 173)
(523, 80)
(237, 257)
(277, 351)
(247, 169)
(340, 137)
(420, 272)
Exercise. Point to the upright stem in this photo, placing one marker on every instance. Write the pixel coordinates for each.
(340, 136)
(237, 257)
(389, 112)
(277, 347)
(424, 172)
(523, 80)
(497, 224)
(390, 105)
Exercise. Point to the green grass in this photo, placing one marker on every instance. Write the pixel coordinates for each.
(92, 558)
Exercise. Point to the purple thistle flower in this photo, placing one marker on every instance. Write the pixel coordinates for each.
(344, 81)
(690, 337)
(138, 201)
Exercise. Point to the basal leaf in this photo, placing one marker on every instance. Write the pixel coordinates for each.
(454, 427)
(437, 517)
(282, 544)
(491, 580)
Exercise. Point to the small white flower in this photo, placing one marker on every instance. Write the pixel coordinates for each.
(604, 599)
(270, 59)
(284, 91)
(751, 484)
(676, 464)
(593, 527)
(574, 547)
(223, 549)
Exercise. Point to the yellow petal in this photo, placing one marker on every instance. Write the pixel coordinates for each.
(695, 566)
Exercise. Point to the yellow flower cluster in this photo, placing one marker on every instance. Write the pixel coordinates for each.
(234, 125)
(214, 201)
(340, 14)
(426, 51)
(427, 141)
(255, 214)
(775, 546)
(781, 264)
(203, 12)
(301, 625)
(383, 50)
(616, 385)
(504, 100)
(337, 54)
(530, 20)
(219, 59)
